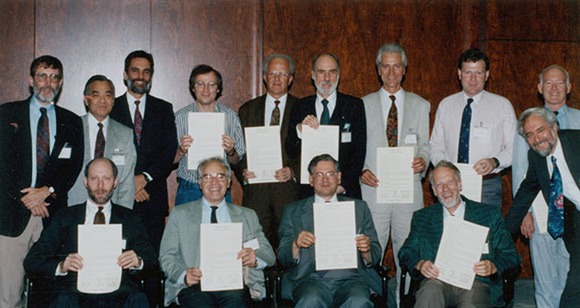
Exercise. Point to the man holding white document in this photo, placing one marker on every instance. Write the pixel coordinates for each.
(427, 232)
(183, 260)
(326, 287)
(56, 252)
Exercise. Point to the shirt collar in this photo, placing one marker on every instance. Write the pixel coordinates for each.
(93, 121)
(475, 98)
(34, 103)
(330, 98)
(206, 203)
(131, 100)
(459, 212)
(318, 199)
(271, 99)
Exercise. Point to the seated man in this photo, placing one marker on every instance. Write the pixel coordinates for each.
(301, 282)
(420, 249)
(180, 246)
(55, 254)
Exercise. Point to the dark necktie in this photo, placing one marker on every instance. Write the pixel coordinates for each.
(556, 206)
(42, 146)
(99, 217)
(393, 124)
(100, 144)
(558, 122)
(213, 215)
(463, 151)
(275, 120)
(138, 122)
(325, 117)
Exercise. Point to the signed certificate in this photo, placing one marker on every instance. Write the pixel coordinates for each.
(395, 174)
(334, 227)
(206, 129)
(263, 152)
(471, 182)
(219, 247)
(323, 140)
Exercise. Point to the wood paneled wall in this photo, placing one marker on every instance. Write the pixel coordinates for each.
(94, 36)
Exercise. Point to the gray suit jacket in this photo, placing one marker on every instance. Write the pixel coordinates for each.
(415, 122)
(120, 149)
(180, 245)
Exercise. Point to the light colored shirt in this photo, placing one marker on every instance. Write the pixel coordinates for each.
(569, 186)
(459, 213)
(386, 103)
(270, 105)
(93, 208)
(94, 130)
(131, 102)
(34, 115)
(320, 108)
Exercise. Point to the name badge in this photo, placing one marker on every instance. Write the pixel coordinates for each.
(411, 138)
(346, 137)
(65, 152)
(119, 159)
(483, 133)
(485, 249)
(253, 243)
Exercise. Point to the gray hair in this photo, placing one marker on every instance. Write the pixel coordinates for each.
(542, 112)
(322, 157)
(217, 159)
(391, 47)
(95, 78)
(278, 56)
(445, 164)
(558, 67)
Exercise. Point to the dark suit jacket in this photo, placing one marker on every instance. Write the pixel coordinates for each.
(427, 229)
(16, 163)
(538, 178)
(349, 115)
(157, 149)
(61, 239)
(298, 216)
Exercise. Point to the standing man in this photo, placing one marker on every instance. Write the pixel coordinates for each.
(329, 107)
(155, 140)
(272, 109)
(554, 170)
(205, 84)
(334, 288)
(105, 137)
(475, 126)
(41, 154)
(180, 248)
(420, 249)
(394, 118)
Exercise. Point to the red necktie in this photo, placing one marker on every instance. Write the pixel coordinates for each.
(138, 122)
(42, 146)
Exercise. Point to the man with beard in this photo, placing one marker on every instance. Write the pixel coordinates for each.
(554, 170)
(56, 252)
(153, 125)
(420, 249)
(41, 154)
(329, 107)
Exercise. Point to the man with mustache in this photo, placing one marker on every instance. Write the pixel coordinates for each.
(420, 249)
(41, 154)
(329, 107)
(554, 170)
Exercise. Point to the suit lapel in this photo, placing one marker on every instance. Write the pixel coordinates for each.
(86, 133)
(259, 113)
(307, 214)
(571, 154)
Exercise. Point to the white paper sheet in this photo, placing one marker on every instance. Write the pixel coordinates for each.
(219, 247)
(395, 174)
(461, 247)
(206, 129)
(540, 209)
(334, 227)
(264, 153)
(99, 246)
(323, 140)
(471, 182)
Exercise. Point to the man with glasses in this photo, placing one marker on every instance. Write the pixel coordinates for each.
(301, 283)
(205, 84)
(180, 247)
(41, 154)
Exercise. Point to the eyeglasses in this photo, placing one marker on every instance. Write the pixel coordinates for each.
(44, 76)
(274, 74)
(328, 174)
(210, 176)
(201, 84)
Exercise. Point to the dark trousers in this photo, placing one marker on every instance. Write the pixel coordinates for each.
(571, 295)
(194, 297)
(119, 299)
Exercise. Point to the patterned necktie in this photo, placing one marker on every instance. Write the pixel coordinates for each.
(275, 119)
(99, 217)
(556, 205)
(558, 122)
(42, 146)
(393, 124)
(213, 214)
(325, 117)
(100, 144)
(463, 151)
(138, 122)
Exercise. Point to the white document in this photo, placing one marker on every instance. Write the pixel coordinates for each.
(395, 174)
(471, 182)
(264, 153)
(334, 227)
(461, 246)
(219, 247)
(206, 129)
(323, 140)
(100, 246)
(540, 209)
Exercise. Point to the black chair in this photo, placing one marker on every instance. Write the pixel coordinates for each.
(408, 299)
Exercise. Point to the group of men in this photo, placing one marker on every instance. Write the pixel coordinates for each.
(59, 171)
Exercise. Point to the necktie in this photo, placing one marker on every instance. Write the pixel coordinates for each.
(100, 144)
(558, 122)
(213, 215)
(392, 124)
(275, 120)
(99, 217)
(42, 146)
(325, 117)
(138, 122)
(556, 205)
(463, 153)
